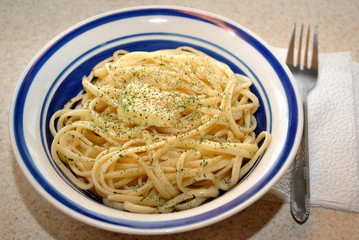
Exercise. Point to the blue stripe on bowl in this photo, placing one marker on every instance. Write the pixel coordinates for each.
(30, 75)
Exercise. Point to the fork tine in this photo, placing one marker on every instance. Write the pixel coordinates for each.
(299, 53)
(290, 54)
(314, 63)
(305, 62)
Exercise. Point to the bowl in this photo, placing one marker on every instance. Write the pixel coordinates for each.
(53, 77)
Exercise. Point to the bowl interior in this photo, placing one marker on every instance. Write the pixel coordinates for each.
(71, 85)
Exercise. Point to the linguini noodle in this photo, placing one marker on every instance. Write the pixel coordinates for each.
(157, 132)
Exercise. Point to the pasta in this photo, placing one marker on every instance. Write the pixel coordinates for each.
(156, 132)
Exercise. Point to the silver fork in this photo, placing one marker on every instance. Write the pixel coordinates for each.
(306, 77)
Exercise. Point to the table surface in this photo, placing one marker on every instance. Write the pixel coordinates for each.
(25, 26)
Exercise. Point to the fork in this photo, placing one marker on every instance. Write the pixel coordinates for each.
(306, 77)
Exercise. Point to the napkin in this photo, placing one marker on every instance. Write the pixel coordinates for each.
(333, 118)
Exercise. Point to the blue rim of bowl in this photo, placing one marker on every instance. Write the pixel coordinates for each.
(18, 108)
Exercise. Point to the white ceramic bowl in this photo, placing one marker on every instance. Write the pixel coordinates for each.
(54, 76)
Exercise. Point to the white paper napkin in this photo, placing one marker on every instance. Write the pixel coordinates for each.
(333, 113)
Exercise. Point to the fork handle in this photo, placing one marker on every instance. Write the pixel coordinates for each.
(300, 192)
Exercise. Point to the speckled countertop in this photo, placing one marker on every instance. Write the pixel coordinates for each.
(25, 26)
